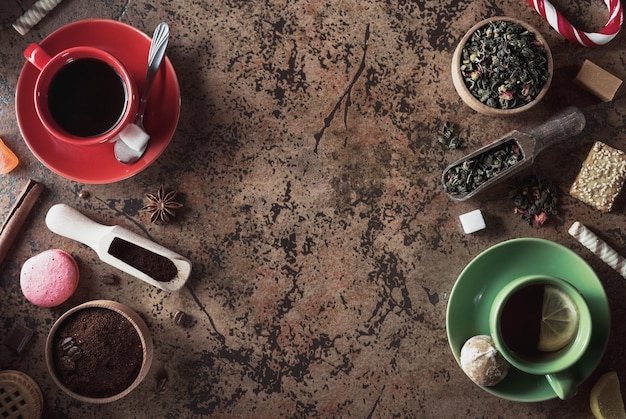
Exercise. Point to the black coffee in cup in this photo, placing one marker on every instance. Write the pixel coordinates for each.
(87, 97)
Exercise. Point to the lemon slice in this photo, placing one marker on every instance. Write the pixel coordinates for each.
(559, 320)
(606, 399)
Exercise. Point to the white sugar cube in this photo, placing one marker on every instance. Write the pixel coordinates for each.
(134, 137)
(472, 221)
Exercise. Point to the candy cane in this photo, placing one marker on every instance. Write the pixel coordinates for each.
(562, 25)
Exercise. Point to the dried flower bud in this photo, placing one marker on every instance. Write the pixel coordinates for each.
(534, 200)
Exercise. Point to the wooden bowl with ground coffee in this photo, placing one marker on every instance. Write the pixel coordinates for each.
(99, 351)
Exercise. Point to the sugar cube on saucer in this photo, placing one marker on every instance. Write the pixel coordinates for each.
(472, 221)
(134, 137)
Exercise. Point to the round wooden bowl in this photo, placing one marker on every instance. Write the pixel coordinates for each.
(475, 103)
(133, 318)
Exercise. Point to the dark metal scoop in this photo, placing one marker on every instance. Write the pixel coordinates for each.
(567, 123)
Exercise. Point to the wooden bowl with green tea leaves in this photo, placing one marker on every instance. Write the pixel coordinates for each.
(502, 67)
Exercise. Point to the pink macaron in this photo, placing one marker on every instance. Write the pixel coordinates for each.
(49, 278)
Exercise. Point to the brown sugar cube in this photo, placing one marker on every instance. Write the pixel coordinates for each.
(597, 81)
(601, 177)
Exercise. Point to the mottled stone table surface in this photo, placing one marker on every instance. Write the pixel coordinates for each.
(324, 248)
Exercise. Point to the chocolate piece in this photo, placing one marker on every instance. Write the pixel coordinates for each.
(17, 338)
(597, 81)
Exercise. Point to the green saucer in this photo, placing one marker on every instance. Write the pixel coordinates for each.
(484, 276)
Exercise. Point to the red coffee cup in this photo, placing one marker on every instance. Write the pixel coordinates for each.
(83, 95)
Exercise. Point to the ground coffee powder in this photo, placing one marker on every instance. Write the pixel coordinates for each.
(155, 266)
(97, 352)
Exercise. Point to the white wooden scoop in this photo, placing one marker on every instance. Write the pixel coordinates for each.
(68, 222)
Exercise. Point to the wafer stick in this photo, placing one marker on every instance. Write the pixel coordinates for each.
(34, 15)
(18, 215)
(599, 247)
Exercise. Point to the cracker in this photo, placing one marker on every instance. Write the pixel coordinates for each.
(601, 177)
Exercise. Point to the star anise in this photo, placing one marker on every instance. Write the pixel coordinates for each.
(161, 206)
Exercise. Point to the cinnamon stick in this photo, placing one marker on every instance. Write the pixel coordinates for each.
(18, 215)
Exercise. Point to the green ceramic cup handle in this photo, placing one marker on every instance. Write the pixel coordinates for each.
(563, 383)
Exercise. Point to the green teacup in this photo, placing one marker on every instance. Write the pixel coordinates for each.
(515, 322)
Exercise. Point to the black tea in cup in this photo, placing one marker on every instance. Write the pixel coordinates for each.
(521, 320)
(538, 319)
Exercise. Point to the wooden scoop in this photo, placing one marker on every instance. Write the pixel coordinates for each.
(567, 123)
(108, 240)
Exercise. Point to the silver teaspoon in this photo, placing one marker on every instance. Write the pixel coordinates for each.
(137, 135)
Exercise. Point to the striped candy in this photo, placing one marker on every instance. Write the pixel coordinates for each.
(599, 247)
(562, 25)
(34, 15)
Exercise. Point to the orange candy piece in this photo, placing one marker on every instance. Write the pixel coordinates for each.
(8, 159)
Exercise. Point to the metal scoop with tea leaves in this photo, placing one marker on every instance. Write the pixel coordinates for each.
(508, 155)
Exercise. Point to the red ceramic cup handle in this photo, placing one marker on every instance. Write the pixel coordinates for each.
(37, 56)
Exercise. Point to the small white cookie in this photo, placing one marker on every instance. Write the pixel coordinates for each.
(482, 362)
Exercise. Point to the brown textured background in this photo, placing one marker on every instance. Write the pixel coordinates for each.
(323, 246)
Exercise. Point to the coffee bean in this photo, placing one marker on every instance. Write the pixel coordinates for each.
(84, 194)
(67, 343)
(108, 278)
(182, 319)
(75, 353)
(162, 381)
(67, 363)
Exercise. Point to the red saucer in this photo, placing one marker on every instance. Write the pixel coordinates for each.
(96, 164)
